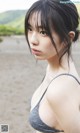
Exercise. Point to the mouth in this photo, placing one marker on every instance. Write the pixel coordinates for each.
(36, 52)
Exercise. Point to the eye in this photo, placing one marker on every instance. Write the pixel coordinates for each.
(43, 32)
(29, 29)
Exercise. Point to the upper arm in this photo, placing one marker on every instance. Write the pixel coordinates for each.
(63, 97)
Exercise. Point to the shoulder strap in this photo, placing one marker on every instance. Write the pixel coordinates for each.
(57, 77)
(71, 76)
(63, 75)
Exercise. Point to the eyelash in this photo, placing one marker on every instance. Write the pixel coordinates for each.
(29, 29)
(43, 32)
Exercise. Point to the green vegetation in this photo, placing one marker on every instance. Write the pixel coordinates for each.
(11, 16)
(12, 22)
(7, 30)
(18, 23)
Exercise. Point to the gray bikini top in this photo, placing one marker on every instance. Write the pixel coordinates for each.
(34, 117)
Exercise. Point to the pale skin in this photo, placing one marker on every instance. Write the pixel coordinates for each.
(60, 106)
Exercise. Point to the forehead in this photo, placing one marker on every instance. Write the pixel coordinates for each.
(35, 19)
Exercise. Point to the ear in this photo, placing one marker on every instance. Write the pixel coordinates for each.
(71, 35)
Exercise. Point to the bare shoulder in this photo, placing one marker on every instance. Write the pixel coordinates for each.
(63, 87)
(63, 96)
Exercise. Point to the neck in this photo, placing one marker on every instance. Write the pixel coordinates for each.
(55, 66)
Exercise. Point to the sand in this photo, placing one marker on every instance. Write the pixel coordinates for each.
(20, 75)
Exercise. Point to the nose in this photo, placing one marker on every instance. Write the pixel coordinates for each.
(34, 39)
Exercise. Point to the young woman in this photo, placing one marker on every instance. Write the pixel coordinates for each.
(50, 29)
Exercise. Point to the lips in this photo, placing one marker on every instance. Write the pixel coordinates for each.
(36, 52)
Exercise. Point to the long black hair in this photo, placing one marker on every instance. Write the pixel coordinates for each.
(60, 16)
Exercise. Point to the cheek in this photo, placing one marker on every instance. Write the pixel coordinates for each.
(50, 48)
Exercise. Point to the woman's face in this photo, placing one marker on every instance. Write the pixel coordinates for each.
(39, 41)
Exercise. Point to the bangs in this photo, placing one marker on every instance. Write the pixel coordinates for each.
(41, 11)
(40, 20)
(48, 19)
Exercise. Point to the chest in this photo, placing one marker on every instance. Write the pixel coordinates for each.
(46, 114)
(38, 94)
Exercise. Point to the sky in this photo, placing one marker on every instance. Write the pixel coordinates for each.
(17, 4)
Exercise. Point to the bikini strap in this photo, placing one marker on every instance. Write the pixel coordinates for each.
(54, 79)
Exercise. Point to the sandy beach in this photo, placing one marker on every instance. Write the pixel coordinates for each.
(18, 75)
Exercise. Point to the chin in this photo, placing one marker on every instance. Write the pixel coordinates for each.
(40, 58)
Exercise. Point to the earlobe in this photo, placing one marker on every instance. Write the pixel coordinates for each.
(71, 35)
